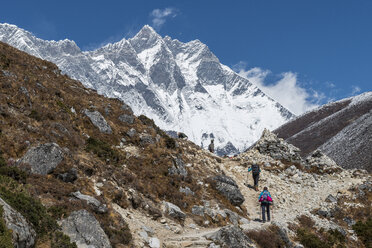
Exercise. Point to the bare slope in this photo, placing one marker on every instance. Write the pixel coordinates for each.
(342, 130)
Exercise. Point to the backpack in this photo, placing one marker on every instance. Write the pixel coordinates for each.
(255, 169)
(265, 197)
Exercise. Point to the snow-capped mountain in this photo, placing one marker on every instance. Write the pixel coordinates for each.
(342, 130)
(181, 86)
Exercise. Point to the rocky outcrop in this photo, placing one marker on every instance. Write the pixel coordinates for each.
(321, 162)
(178, 168)
(277, 148)
(231, 237)
(99, 121)
(228, 187)
(173, 211)
(43, 159)
(23, 235)
(129, 119)
(97, 205)
(83, 228)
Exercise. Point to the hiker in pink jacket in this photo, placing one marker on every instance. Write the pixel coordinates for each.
(266, 200)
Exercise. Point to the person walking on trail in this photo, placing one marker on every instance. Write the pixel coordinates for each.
(255, 168)
(211, 146)
(265, 200)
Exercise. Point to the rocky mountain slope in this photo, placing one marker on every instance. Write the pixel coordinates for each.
(78, 169)
(181, 86)
(342, 130)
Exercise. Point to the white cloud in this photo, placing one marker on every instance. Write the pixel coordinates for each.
(355, 90)
(159, 16)
(286, 90)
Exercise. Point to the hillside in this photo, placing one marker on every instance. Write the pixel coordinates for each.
(342, 130)
(181, 86)
(78, 169)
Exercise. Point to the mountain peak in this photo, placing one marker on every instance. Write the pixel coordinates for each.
(145, 39)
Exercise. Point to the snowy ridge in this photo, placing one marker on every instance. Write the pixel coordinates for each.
(342, 130)
(181, 86)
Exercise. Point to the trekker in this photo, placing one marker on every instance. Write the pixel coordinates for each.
(211, 146)
(255, 168)
(266, 200)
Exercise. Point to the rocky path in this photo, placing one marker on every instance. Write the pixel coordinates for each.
(294, 192)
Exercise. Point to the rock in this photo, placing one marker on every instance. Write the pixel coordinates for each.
(131, 132)
(83, 228)
(283, 234)
(43, 159)
(178, 168)
(228, 187)
(186, 190)
(97, 205)
(146, 139)
(99, 121)
(331, 198)
(129, 119)
(23, 235)
(193, 226)
(243, 221)
(270, 144)
(154, 243)
(349, 221)
(127, 108)
(153, 211)
(148, 230)
(323, 212)
(69, 176)
(233, 217)
(174, 211)
(163, 221)
(232, 237)
(197, 210)
(321, 162)
(144, 235)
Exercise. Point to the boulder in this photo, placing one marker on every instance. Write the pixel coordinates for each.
(23, 235)
(43, 159)
(83, 228)
(146, 139)
(97, 205)
(173, 211)
(227, 187)
(98, 120)
(232, 237)
(129, 119)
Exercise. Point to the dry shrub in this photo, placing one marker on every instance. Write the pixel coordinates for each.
(306, 221)
(267, 238)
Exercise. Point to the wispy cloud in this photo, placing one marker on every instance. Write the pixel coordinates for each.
(355, 90)
(159, 16)
(286, 90)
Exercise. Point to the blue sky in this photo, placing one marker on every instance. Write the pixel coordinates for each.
(302, 53)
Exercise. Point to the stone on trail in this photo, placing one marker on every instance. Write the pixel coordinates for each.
(228, 187)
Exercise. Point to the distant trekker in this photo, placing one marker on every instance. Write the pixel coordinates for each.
(211, 146)
(255, 168)
(265, 200)
(182, 136)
